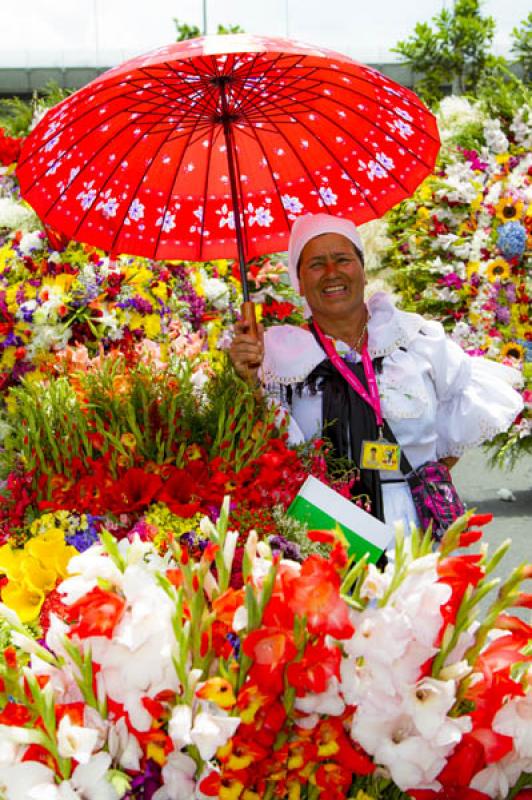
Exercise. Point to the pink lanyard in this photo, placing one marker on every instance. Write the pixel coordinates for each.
(372, 398)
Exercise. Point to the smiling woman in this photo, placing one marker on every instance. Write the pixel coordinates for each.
(331, 278)
(368, 373)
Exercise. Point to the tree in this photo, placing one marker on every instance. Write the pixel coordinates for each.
(455, 52)
(185, 31)
(522, 46)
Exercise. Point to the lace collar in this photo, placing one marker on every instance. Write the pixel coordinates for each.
(291, 353)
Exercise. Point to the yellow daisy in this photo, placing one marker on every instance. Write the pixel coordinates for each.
(498, 270)
(513, 350)
(508, 209)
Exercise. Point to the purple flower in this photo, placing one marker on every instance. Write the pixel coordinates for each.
(142, 305)
(144, 786)
(452, 280)
(288, 549)
(82, 540)
(511, 295)
(476, 163)
(234, 641)
(502, 314)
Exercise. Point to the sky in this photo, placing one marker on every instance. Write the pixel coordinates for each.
(105, 32)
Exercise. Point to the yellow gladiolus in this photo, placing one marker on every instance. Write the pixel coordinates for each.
(152, 325)
(160, 289)
(27, 604)
(8, 359)
(33, 571)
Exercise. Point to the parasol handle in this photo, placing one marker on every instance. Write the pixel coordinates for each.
(247, 310)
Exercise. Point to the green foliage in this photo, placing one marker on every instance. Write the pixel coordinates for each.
(132, 415)
(16, 115)
(185, 31)
(522, 46)
(501, 93)
(454, 52)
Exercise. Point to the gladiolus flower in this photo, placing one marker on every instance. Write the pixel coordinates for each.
(313, 672)
(97, 613)
(270, 648)
(217, 690)
(134, 491)
(315, 594)
(448, 793)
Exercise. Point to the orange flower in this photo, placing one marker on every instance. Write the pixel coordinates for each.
(97, 613)
(315, 594)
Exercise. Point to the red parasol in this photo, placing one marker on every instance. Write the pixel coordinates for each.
(217, 144)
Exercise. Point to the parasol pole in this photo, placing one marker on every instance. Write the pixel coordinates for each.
(227, 119)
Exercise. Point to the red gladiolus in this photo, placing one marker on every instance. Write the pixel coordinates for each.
(463, 764)
(315, 594)
(277, 310)
(524, 794)
(324, 537)
(97, 613)
(134, 491)
(270, 648)
(14, 714)
(10, 147)
(74, 711)
(181, 490)
(334, 780)
(495, 745)
(332, 742)
(313, 672)
(35, 752)
(10, 657)
(479, 519)
(448, 793)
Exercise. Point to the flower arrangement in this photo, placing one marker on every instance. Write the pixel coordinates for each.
(461, 245)
(156, 678)
(55, 294)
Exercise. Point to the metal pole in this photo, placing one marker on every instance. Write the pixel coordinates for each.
(204, 8)
(230, 150)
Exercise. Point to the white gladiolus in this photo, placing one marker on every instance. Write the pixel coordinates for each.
(497, 779)
(75, 741)
(178, 776)
(515, 719)
(211, 731)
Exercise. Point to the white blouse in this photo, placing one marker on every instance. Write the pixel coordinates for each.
(437, 400)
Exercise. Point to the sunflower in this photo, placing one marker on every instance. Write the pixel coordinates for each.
(509, 210)
(513, 350)
(498, 270)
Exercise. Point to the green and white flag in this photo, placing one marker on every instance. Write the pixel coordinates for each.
(321, 508)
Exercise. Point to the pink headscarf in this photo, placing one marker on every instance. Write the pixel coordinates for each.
(306, 228)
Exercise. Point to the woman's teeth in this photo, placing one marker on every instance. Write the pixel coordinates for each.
(335, 289)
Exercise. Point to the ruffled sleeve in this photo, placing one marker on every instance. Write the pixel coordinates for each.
(475, 396)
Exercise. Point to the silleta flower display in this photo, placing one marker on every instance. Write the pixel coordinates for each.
(167, 631)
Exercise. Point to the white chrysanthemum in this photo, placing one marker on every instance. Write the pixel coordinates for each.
(521, 127)
(495, 137)
(375, 242)
(455, 112)
(17, 216)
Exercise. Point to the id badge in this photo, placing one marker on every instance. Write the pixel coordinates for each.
(380, 454)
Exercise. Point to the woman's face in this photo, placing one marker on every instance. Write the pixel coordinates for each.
(331, 276)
